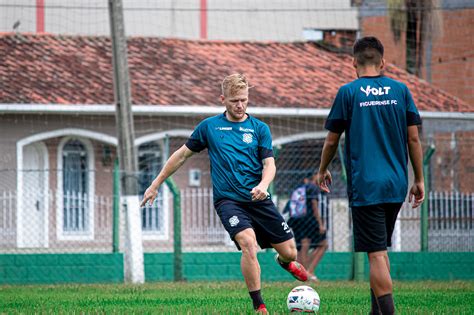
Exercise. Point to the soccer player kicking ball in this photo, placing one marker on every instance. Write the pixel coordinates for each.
(242, 168)
(380, 120)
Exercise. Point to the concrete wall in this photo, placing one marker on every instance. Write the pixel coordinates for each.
(61, 268)
(108, 268)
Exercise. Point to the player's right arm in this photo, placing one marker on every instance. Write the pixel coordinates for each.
(175, 161)
(336, 124)
(417, 191)
(196, 143)
(323, 176)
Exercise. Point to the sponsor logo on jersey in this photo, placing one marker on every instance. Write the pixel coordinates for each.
(247, 137)
(375, 91)
(246, 129)
(223, 128)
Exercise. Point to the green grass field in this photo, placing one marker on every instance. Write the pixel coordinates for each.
(455, 297)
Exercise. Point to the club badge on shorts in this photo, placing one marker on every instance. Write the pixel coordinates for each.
(234, 221)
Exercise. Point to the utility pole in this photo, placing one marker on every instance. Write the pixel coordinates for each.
(133, 264)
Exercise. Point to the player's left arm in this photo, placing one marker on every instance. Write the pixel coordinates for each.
(417, 191)
(265, 154)
(260, 192)
(336, 123)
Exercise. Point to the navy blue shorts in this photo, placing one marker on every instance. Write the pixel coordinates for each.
(373, 226)
(261, 216)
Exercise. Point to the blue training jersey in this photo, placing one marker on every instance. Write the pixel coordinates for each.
(236, 151)
(374, 112)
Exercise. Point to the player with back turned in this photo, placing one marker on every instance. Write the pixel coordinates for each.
(242, 168)
(380, 122)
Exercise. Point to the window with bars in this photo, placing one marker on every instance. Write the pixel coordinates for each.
(150, 164)
(75, 187)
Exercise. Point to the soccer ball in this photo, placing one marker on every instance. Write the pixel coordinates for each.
(303, 299)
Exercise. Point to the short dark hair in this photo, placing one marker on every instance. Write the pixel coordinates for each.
(368, 50)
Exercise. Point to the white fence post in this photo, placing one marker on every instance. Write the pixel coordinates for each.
(134, 264)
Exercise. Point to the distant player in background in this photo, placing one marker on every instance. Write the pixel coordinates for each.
(380, 120)
(242, 168)
(308, 226)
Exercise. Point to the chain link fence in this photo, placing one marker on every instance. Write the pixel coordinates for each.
(71, 208)
(76, 207)
(59, 188)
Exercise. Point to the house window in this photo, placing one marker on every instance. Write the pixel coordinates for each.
(150, 163)
(75, 187)
(312, 35)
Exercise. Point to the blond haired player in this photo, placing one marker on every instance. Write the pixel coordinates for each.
(242, 168)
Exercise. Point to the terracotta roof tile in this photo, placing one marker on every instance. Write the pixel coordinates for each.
(78, 70)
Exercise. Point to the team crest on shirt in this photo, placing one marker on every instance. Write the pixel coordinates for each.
(247, 137)
(234, 221)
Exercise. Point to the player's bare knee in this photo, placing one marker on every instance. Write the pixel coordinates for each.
(248, 245)
(378, 256)
(249, 250)
(376, 260)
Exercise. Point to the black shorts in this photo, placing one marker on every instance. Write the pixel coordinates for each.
(373, 226)
(262, 216)
(306, 227)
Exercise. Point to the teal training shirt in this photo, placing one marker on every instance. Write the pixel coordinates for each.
(236, 151)
(375, 113)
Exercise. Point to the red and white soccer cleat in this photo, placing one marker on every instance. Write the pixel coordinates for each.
(295, 269)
